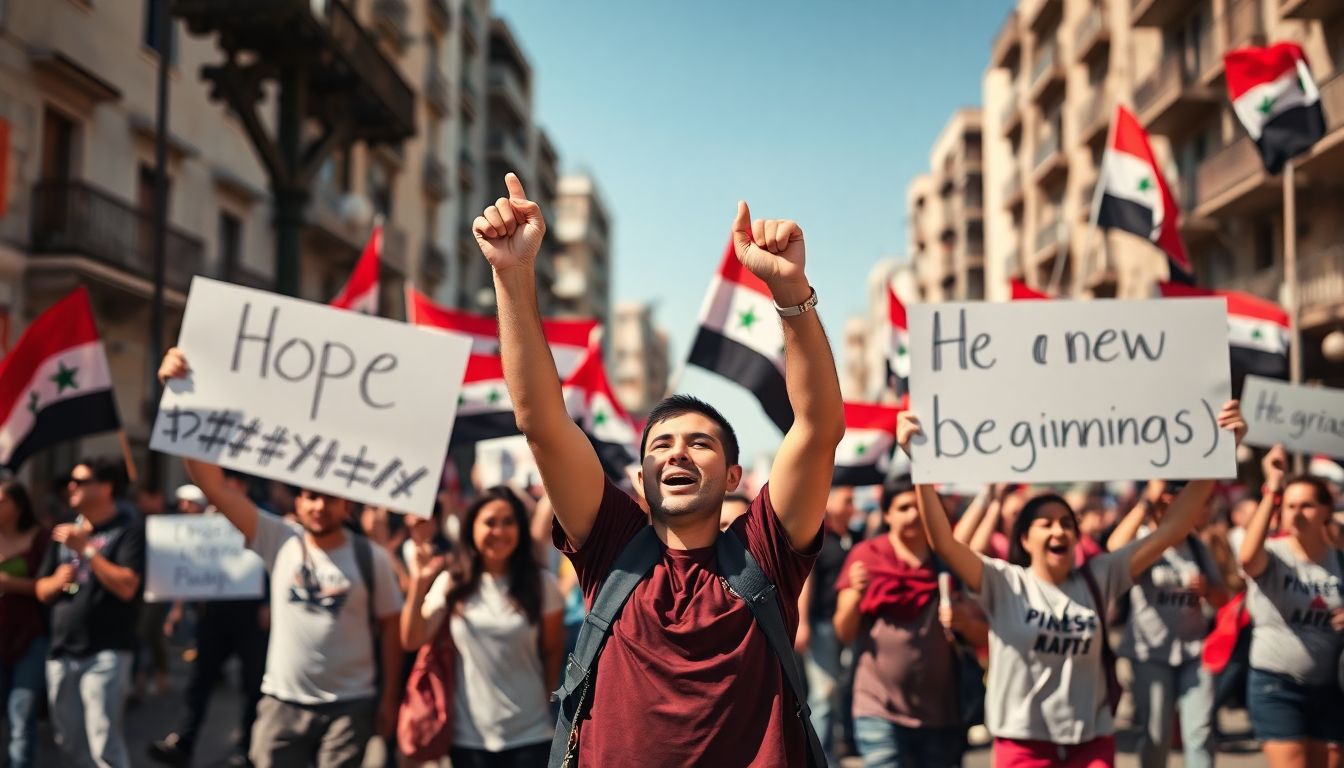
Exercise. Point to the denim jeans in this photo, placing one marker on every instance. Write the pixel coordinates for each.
(822, 665)
(884, 744)
(88, 705)
(20, 687)
(1160, 690)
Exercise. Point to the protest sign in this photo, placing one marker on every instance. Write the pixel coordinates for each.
(506, 461)
(339, 402)
(1304, 419)
(198, 557)
(1062, 391)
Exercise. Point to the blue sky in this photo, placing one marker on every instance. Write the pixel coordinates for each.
(819, 112)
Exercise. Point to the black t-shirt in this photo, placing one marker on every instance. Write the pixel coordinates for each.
(831, 558)
(93, 619)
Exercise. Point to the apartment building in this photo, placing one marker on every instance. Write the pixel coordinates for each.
(639, 370)
(946, 213)
(582, 234)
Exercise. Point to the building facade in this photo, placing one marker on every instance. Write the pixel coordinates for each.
(582, 234)
(638, 351)
(945, 208)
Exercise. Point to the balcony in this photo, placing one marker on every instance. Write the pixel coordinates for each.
(1158, 13)
(1093, 118)
(1051, 243)
(1171, 101)
(1265, 283)
(1320, 282)
(506, 87)
(1007, 45)
(72, 218)
(1043, 13)
(471, 29)
(1012, 114)
(1310, 9)
(510, 149)
(466, 170)
(1093, 36)
(1047, 73)
(1245, 23)
(435, 178)
(433, 264)
(466, 93)
(1012, 190)
(440, 17)
(389, 20)
(1048, 162)
(436, 92)
(1233, 179)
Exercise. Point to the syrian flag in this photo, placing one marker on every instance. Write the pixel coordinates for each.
(55, 385)
(484, 410)
(568, 338)
(1257, 332)
(360, 293)
(741, 339)
(1135, 196)
(898, 344)
(864, 455)
(591, 403)
(1275, 97)
(1023, 292)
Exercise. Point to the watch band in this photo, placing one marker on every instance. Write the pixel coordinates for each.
(799, 309)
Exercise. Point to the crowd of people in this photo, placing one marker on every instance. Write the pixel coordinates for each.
(679, 623)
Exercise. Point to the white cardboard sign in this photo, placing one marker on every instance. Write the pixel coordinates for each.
(336, 401)
(198, 557)
(1060, 391)
(1304, 419)
(506, 461)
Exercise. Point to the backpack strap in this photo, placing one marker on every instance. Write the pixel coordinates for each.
(745, 578)
(1113, 691)
(364, 561)
(632, 565)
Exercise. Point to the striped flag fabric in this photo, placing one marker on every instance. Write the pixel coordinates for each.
(55, 385)
(1135, 197)
(484, 410)
(864, 454)
(1275, 97)
(568, 338)
(898, 343)
(593, 406)
(1020, 291)
(1257, 332)
(740, 337)
(360, 293)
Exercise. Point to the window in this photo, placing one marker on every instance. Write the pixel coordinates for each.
(230, 244)
(151, 38)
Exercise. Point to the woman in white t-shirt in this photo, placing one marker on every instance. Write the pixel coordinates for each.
(1049, 692)
(1294, 596)
(506, 622)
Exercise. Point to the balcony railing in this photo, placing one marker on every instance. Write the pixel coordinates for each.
(1234, 163)
(1320, 279)
(74, 217)
(1048, 233)
(1088, 28)
(1169, 76)
(1044, 60)
(436, 91)
(435, 178)
(466, 169)
(1046, 147)
(505, 81)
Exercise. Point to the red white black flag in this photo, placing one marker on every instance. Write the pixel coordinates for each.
(55, 384)
(593, 406)
(1135, 196)
(484, 410)
(898, 343)
(1257, 332)
(1020, 291)
(360, 293)
(864, 455)
(741, 339)
(1275, 97)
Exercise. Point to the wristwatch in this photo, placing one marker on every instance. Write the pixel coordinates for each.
(799, 309)
(88, 551)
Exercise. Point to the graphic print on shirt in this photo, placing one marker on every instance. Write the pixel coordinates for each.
(1317, 611)
(326, 589)
(1171, 587)
(1069, 634)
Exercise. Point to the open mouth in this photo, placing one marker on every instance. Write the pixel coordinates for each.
(678, 480)
(1057, 548)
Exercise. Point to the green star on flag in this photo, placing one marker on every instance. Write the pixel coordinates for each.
(32, 402)
(900, 350)
(64, 378)
(1145, 184)
(493, 397)
(599, 418)
(747, 318)
(461, 400)
(1266, 104)
(1257, 334)
(860, 449)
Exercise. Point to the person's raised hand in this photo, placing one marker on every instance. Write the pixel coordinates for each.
(907, 426)
(509, 232)
(1230, 418)
(859, 576)
(773, 250)
(173, 366)
(1275, 466)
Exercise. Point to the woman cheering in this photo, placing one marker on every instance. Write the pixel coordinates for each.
(1051, 685)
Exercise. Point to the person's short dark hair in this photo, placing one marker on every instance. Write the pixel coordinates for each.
(107, 470)
(895, 487)
(1324, 496)
(738, 497)
(679, 405)
(18, 493)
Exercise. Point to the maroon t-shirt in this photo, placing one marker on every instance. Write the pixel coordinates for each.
(904, 668)
(687, 678)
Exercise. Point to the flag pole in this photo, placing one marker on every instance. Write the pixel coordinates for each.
(131, 474)
(1290, 283)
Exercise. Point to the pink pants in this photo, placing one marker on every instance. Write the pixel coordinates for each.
(1015, 753)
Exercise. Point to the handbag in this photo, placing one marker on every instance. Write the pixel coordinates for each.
(425, 720)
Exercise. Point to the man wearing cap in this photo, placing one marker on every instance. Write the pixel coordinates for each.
(224, 628)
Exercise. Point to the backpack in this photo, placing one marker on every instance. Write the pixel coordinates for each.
(744, 578)
(425, 720)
